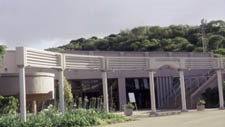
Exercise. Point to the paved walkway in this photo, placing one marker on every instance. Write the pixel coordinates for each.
(207, 118)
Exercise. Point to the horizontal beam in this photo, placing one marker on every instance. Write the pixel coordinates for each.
(45, 59)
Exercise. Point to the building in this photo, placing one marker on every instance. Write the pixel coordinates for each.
(128, 72)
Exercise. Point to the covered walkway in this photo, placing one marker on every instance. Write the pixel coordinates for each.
(26, 58)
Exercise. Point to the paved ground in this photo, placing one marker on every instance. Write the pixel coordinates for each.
(207, 118)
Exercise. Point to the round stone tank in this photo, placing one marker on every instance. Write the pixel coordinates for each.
(39, 86)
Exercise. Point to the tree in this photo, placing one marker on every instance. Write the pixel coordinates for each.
(172, 38)
(102, 44)
(2, 53)
(214, 26)
(215, 42)
(68, 92)
(153, 44)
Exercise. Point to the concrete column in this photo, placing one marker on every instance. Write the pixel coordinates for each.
(34, 107)
(122, 92)
(158, 92)
(166, 89)
(61, 91)
(161, 92)
(183, 94)
(105, 91)
(170, 85)
(220, 88)
(152, 91)
(22, 84)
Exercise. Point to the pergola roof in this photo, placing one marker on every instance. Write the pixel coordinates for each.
(44, 59)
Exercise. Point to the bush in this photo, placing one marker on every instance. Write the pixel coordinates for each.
(10, 120)
(68, 92)
(201, 102)
(8, 105)
(129, 106)
(2, 53)
(211, 96)
(93, 103)
(51, 118)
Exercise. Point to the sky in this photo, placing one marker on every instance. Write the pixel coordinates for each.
(42, 24)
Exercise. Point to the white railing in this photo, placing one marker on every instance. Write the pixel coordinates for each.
(127, 63)
(84, 62)
(45, 59)
(201, 63)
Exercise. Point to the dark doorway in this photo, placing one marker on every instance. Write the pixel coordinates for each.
(93, 88)
(140, 88)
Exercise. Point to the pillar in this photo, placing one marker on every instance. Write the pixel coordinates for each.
(161, 92)
(61, 91)
(22, 86)
(220, 89)
(34, 107)
(158, 92)
(152, 91)
(105, 91)
(182, 87)
(122, 92)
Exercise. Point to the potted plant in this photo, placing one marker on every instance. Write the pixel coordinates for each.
(201, 105)
(128, 110)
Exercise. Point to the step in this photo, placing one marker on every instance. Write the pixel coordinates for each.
(164, 113)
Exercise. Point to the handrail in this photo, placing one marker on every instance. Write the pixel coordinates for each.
(176, 86)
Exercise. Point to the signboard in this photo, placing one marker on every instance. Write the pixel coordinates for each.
(131, 97)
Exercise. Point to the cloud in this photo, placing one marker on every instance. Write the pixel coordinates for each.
(48, 23)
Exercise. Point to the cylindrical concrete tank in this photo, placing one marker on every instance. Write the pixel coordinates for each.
(36, 83)
(39, 87)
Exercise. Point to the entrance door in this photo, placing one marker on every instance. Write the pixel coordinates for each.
(140, 88)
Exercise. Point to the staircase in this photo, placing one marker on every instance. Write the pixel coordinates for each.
(195, 86)
(210, 83)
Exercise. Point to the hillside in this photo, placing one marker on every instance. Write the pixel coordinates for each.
(174, 38)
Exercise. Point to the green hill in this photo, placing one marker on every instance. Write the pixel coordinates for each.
(174, 38)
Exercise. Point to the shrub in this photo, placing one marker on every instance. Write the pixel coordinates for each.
(68, 92)
(211, 96)
(47, 118)
(10, 120)
(201, 102)
(8, 105)
(2, 53)
(93, 103)
(51, 118)
(130, 106)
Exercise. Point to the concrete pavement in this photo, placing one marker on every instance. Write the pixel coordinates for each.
(207, 118)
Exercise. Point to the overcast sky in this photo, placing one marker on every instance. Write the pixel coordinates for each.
(48, 23)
